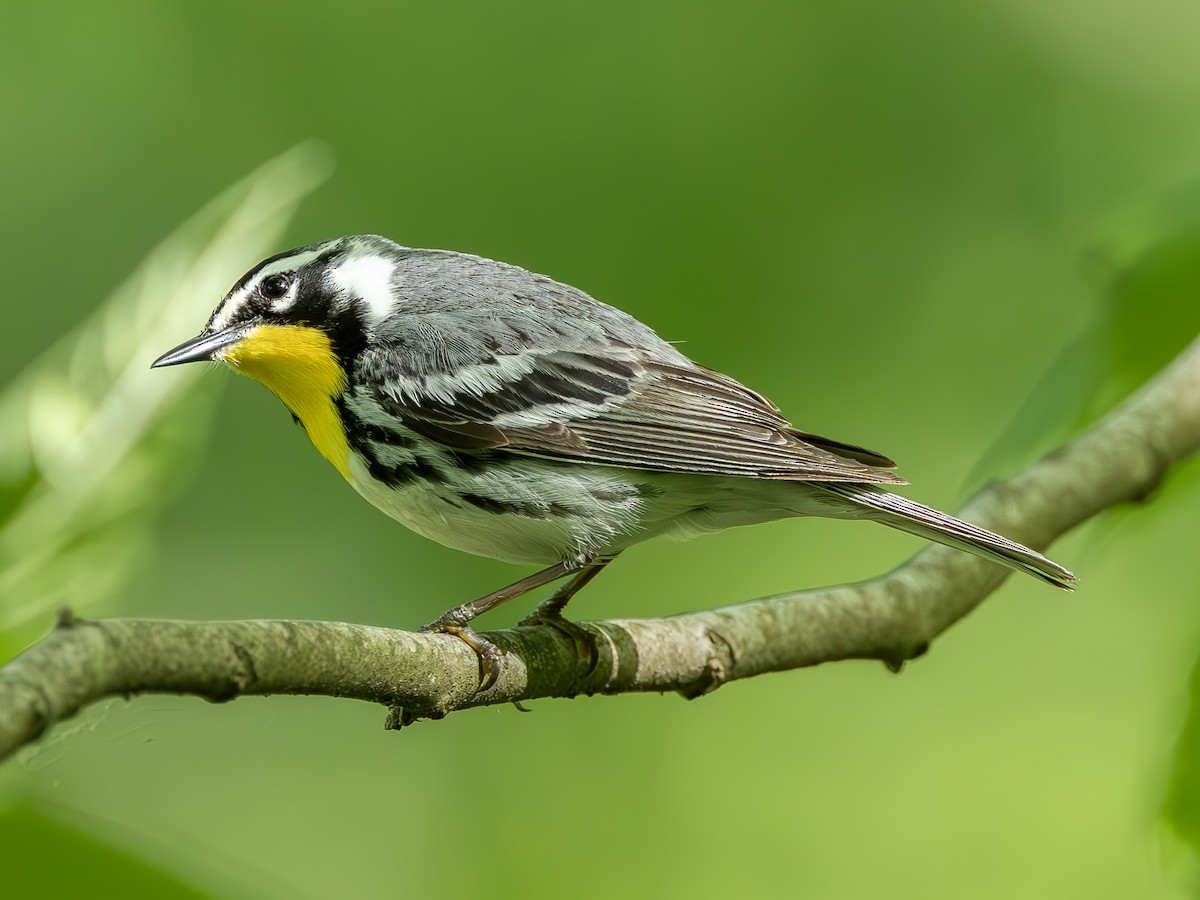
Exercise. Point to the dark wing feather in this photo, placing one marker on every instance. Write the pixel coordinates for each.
(850, 451)
(634, 413)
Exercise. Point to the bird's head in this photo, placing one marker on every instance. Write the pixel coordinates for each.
(307, 308)
(296, 322)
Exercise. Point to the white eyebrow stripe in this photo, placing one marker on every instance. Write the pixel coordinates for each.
(370, 279)
(289, 263)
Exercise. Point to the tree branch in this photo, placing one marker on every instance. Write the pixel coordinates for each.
(891, 618)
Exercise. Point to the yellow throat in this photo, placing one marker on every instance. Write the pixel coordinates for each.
(297, 364)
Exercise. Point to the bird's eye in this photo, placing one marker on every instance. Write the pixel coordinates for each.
(274, 286)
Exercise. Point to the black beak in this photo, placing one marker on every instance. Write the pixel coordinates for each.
(199, 348)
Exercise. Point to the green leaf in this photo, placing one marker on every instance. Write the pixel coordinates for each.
(94, 440)
(1146, 267)
(47, 858)
(1182, 806)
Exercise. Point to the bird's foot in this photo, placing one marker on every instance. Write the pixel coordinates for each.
(550, 612)
(491, 657)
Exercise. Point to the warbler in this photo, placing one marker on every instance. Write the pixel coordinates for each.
(509, 415)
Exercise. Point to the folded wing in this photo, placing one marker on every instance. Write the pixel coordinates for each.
(619, 407)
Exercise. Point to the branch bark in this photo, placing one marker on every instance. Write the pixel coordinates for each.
(892, 618)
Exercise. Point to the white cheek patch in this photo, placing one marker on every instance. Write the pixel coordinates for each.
(370, 279)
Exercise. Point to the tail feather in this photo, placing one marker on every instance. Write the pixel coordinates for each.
(906, 515)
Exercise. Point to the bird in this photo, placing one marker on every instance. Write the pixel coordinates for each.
(503, 413)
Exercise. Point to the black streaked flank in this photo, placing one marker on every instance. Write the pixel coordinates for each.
(385, 436)
(420, 470)
(528, 509)
(358, 431)
(364, 438)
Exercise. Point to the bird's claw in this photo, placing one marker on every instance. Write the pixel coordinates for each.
(491, 657)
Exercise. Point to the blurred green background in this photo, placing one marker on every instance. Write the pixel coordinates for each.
(891, 218)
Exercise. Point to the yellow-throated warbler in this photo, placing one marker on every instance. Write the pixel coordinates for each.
(506, 414)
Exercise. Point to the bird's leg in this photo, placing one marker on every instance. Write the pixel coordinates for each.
(550, 611)
(454, 621)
